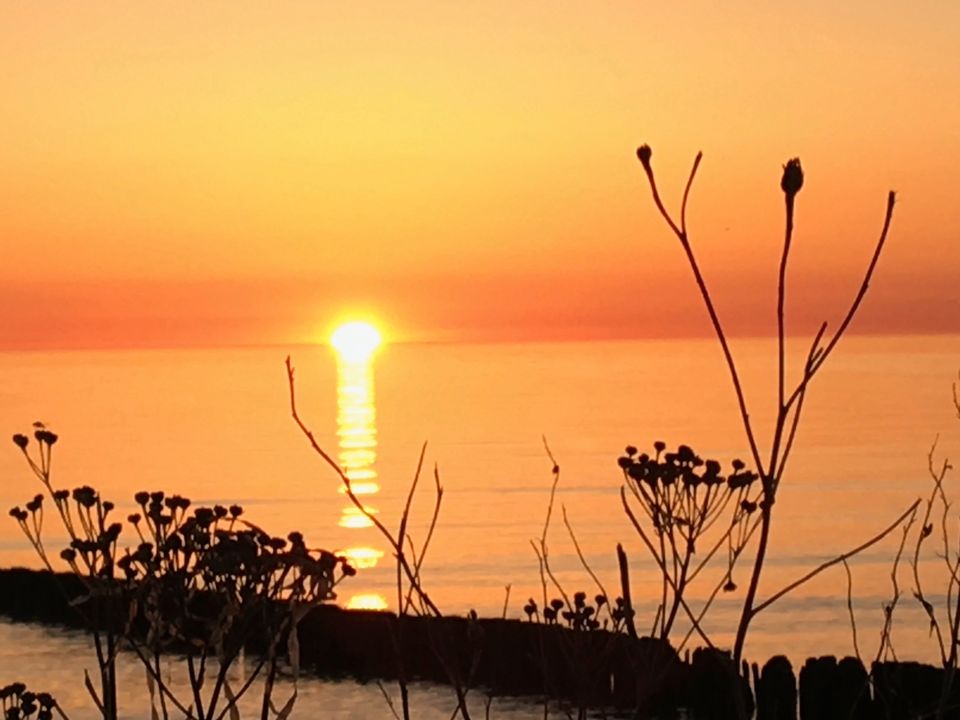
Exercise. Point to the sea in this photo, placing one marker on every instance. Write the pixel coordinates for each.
(490, 421)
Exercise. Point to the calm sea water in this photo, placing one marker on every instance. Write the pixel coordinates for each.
(215, 425)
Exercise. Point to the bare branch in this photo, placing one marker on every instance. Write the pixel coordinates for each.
(686, 193)
(839, 559)
(853, 617)
(854, 306)
(663, 569)
(388, 536)
(583, 560)
(707, 299)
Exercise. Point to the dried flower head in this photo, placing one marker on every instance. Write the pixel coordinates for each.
(792, 179)
(644, 153)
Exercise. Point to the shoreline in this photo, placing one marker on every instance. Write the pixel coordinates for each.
(595, 668)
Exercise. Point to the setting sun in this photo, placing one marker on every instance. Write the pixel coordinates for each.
(312, 292)
(355, 340)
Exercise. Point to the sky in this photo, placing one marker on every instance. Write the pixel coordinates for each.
(188, 173)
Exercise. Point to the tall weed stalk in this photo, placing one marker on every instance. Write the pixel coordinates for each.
(771, 462)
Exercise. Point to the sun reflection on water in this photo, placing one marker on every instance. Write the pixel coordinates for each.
(357, 455)
(352, 518)
(368, 601)
(362, 557)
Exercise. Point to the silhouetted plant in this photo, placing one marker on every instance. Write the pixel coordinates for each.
(789, 400)
(683, 498)
(204, 583)
(90, 555)
(411, 596)
(18, 703)
(943, 615)
(575, 613)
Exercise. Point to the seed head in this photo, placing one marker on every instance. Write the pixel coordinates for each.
(792, 179)
(643, 154)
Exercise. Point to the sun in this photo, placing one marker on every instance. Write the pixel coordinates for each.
(355, 341)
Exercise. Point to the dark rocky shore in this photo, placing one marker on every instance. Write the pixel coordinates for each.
(587, 668)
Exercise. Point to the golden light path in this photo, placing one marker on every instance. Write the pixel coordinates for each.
(371, 601)
(355, 344)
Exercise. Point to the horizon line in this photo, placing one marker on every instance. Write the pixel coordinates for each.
(490, 340)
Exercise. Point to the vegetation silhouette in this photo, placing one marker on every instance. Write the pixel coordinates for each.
(789, 399)
(207, 583)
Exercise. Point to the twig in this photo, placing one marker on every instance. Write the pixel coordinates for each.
(625, 590)
(583, 560)
(542, 553)
(705, 295)
(403, 522)
(649, 545)
(797, 411)
(388, 536)
(853, 618)
(885, 641)
(926, 528)
(839, 559)
(855, 305)
(386, 696)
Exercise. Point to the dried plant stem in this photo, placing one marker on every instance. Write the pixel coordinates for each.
(401, 533)
(395, 544)
(663, 569)
(625, 590)
(769, 478)
(418, 559)
(718, 586)
(789, 407)
(853, 617)
(885, 633)
(838, 559)
(161, 685)
(813, 353)
(583, 560)
(855, 305)
(543, 554)
(388, 699)
(926, 529)
(681, 234)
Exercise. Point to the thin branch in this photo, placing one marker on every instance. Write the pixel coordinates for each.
(686, 193)
(811, 357)
(720, 584)
(708, 302)
(853, 617)
(839, 559)
(885, 641)
(583, 560)
(543, 554)
(386, 696)
(388, 536)
(855, 305)
(663, 569)
(410, 492)
(402, 531)
(926, 529)
(781, 320)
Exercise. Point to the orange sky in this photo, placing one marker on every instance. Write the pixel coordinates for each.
(196, 173)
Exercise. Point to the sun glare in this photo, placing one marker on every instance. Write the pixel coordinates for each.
(355, 340)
